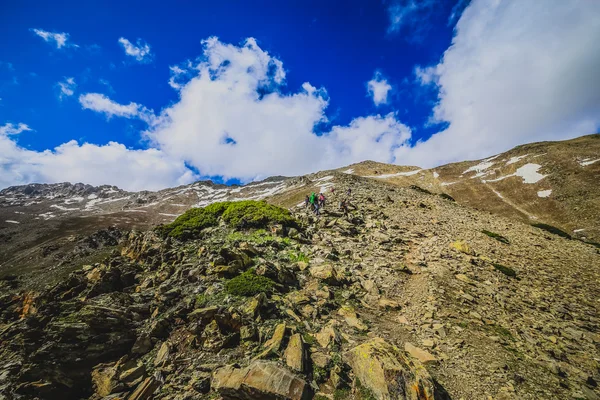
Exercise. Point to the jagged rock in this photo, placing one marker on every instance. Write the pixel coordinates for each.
(389, 374)
(260, 380)
(419, 354)
(145, 389)
(162, 355)
(463, 247)
(294, 354)
(273, 345)
(142, 344)
(328, 334)
(105, 379)
(253, 306)
(204, 315)
(326, 273)
(351, 318)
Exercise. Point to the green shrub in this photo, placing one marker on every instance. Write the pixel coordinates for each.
(342, 394)
(505, 270)
(446, 196)
(552, 229)
(294, 257)
(249, 284)
(238, 214)
(496, 236)
(259, 237)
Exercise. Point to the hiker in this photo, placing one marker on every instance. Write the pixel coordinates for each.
(349, 192)
(332, 190)
(306, 202)
(344, 207)
(317, 209)
(321, 200)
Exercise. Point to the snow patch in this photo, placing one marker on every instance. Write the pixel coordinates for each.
(169, 215)
(545, 193)
(516, 159)
(528, 172)
(325, 178)
(64, 208)
(448, 183)
(436, 175)
(408, 173)
(587, 161)
(348, 171)
(498, 194)
(93, 195)
(578, 230)
(73, 200)
(481, 168)
(10, 221)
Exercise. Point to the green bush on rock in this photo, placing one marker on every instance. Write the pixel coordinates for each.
(553, 229)
(238, 214)
(249, 284)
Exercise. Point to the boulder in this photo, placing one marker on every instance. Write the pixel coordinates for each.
(294, 353)
(351, 318)
(260, 380)
(422, 355)
(273, 345)
(388, 373)
(326, 273)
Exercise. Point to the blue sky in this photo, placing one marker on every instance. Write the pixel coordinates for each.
(153, 99)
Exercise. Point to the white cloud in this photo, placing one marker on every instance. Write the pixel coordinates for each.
(112, 163)
(102, 104)
(412, 15)
(12, 129)
(58, 39)
(66, 87)
(273, 132)
(378, 88)
(140, 51)
(516, 72)
(231, 120)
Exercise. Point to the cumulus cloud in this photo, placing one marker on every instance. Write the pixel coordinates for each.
(55, 38)
(233, 120)
(66, 88)
(516, 72)
(378, 88)
(12, 129)
(104, 105)
(140, 51)
(112, 163)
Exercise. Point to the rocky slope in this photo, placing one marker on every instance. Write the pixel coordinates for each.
(410, 296)
(554, 183)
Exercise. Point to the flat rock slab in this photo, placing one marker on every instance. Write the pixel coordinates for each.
(260, 380)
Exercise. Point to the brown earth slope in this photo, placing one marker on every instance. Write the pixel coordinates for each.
(555, 183)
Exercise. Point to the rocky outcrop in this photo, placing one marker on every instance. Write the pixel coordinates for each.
(388, 373)
(260, 380)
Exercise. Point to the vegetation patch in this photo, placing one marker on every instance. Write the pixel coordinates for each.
(505, 270)
(420, 189)
(446, 196)
(496, 236)
(238, 214)
(249, 284)
(259, 237)
(363, 392)
(342, 394)
(552, 229)
(299, 256)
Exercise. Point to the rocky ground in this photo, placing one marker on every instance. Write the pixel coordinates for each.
(405, 298)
